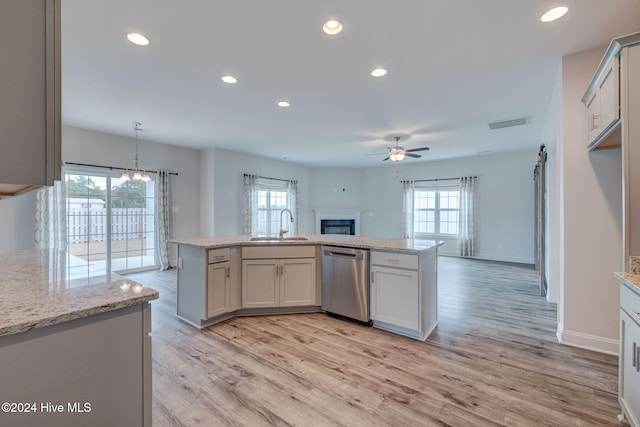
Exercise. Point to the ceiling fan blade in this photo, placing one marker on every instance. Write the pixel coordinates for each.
(385, 159)
(417, 149)
(415, 156)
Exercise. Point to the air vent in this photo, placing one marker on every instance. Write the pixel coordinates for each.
(508, 123)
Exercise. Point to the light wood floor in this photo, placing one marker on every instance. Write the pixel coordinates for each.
(493, 360)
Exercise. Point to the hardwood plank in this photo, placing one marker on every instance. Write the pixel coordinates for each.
(493, 360)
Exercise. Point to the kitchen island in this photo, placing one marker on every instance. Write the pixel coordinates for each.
(226, 276)
(73, 350)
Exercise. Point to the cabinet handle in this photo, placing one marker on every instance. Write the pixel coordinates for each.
(373, 276)
(634, 359)
(393, 260)
(228, 272)
(637, 358)
(594, 117)
(282, 270)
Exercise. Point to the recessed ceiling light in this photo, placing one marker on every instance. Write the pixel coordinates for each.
(379, 72)
(138, 39)
(284, 104)
(229, 79)
(332, 27)
(555, 13)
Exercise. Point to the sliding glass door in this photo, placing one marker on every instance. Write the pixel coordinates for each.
(110, 222)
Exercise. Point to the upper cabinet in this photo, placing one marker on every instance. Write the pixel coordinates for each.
(603, 106)
(612, 102)
(30, 111)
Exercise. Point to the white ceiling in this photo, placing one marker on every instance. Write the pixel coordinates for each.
(454, 66)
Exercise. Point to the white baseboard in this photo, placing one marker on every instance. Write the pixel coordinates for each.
(517, 260)
(587, 341)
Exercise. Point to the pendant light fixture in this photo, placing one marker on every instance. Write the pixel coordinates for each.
(136, 173)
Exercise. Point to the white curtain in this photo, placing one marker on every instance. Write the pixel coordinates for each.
(250, 204)
(51, 217)
(293, 205)
(467, 188)
(162, 218)
(408, 189)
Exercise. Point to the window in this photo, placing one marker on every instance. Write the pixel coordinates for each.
(271, 200)
(110, 222)
(436, 211)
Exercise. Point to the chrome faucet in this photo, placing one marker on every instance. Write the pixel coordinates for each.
(284, 230)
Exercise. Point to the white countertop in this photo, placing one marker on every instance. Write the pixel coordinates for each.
(37, 291)
(380, 243)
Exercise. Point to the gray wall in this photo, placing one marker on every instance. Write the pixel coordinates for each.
(590, 229)
(504, 201)
(207, 195)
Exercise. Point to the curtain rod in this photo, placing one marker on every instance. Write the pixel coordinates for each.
(111, 167)
(273, 179)
(435, 179)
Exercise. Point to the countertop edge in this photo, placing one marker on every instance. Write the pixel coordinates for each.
(631, 281)
(76, 314)
(208, 243)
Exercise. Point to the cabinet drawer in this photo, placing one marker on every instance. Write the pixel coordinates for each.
(392, 259)
(288, 251)
(218, 255)
(630, 302)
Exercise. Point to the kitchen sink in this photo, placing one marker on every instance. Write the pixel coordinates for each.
(276, 239)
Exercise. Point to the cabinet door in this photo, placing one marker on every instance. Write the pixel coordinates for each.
(218, 288)
(593, 116)
(630, 367)
(297, 282)
(260, 281)
(395, 297)
(609, 98)
(30, 90)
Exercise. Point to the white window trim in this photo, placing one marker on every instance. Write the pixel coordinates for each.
(435, 186)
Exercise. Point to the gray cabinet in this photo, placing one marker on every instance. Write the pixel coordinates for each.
(30, 111)
(207, 284)
(629, 356)
(95, 371)
(218, 286)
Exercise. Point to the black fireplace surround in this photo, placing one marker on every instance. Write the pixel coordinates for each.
(338, 226)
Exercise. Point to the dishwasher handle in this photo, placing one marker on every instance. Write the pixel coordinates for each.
(350, 255)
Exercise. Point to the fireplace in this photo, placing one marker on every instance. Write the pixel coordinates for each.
(338, 226)
(338, 221)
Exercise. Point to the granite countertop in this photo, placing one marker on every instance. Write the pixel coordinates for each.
(630, 280)
(38, 291)
(381, 243)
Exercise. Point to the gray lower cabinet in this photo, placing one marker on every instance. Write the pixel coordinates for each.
(93, 371)
(629, 356)
(207, 284)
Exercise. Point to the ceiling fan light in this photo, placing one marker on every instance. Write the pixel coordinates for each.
(125, 176)
(146, 177)
(397, 156)
(137, 176)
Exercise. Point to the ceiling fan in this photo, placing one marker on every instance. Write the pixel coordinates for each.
(398, 153)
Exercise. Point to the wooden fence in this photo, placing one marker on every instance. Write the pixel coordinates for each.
(90, 225)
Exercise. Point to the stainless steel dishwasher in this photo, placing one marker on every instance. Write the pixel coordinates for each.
(345, 282)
